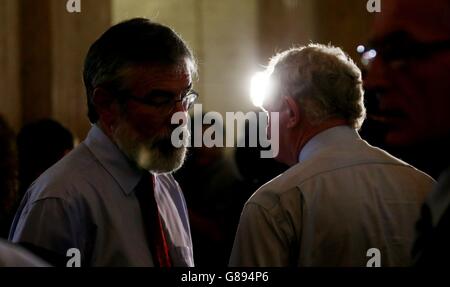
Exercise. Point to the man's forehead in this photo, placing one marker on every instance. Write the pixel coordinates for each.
(174, 76)
(170, 71)
(421, 20)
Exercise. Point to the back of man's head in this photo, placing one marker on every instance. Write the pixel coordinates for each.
(324, 80)
(132, 43)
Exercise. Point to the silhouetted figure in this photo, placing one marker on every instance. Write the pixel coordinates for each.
(8, 177)
(254, 171)
(40, 144)
(217, 181)
(10, 254)
(409, 85)
(208, 180)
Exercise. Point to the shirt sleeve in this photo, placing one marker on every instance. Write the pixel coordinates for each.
(45, 227)
(260, 239)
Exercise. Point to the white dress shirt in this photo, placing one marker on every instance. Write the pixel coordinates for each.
(343, 198)
(87, 201)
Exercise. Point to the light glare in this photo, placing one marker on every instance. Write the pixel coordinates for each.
(259, 87)
(360, 49)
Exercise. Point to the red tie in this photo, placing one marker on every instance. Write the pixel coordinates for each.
(152, 221)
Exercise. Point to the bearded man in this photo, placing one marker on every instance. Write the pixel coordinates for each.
(113, 198)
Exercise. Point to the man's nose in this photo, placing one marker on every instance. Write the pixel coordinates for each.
(376, 77)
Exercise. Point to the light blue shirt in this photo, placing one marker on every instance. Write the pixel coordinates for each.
(343, 198)
(87, 201)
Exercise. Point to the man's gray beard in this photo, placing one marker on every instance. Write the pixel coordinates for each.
(156, 154)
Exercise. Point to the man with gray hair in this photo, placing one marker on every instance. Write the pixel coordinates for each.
(343, 201)
(112, 201)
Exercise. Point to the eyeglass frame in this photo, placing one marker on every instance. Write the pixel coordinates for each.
(121, 96)
(148, 101)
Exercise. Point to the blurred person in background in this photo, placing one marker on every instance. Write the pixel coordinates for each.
(40, 144)
(216, 182)
(10, 254)
(208, 181)
(8, 177)
(408, 82)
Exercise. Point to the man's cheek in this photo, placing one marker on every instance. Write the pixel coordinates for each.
(148, 129)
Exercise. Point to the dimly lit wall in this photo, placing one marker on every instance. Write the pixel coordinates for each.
(287, 23)
(42, 48)
(10, 103)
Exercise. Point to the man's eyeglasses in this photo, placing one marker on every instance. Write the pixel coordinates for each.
(162, 100)
(399, 50)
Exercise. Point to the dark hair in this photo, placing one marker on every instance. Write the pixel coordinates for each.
(40, 144)
(134, 42)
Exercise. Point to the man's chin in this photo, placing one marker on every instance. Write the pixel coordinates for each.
(156, 154)
(163, 161)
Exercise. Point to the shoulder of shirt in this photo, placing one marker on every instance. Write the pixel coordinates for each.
(287, 185)
(72, 174)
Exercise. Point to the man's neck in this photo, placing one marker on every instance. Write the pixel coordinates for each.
(313, 130)
(104, 129)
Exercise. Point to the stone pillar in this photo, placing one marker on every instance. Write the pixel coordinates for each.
(54, 43)
(72, 35)
(35, 59)
(10, 102)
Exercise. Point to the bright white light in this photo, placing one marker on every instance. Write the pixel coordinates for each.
(372, 53)
(259, 88)
(360, 49)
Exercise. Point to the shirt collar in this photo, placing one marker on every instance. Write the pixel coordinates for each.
(336, 136)
(113, 160)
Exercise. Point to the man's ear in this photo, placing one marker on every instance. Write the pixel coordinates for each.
(293, 110)
(105, 105)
